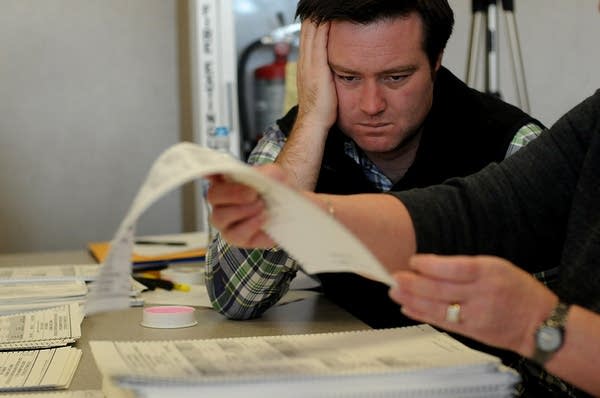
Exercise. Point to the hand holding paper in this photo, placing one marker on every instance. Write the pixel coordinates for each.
(239, 212)
(292, 222)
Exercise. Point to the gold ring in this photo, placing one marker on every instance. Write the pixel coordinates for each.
(453, 313)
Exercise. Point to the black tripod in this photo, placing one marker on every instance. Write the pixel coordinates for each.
(485, 16)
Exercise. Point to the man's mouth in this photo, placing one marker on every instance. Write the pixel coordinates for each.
(373, 125)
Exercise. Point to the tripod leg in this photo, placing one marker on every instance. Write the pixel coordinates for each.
(517, 60)
(474, 47)
(492, 84)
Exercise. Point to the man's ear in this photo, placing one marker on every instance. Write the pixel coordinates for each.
(438, 62)
(437, 65)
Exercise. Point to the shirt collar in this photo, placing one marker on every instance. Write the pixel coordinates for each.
(370, 169)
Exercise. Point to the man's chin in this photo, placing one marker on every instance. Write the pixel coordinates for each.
(375, 145)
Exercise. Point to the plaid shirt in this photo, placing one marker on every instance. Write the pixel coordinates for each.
(243, 283)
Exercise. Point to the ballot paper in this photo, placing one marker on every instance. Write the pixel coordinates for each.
(16, 307)
(415, 361)
(52, 327)
(48, 369)
(292, 223)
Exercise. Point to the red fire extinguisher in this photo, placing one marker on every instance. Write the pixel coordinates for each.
(269, 88)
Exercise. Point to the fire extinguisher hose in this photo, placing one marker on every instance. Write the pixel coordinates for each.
(245, 128)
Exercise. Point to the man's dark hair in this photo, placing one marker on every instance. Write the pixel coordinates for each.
(437, 16)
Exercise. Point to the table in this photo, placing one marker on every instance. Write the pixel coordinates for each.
(313, 315)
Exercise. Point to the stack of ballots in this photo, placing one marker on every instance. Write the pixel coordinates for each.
(30, 288)
(26, 288)
(40, 317)
(33, 348)
(416, 361)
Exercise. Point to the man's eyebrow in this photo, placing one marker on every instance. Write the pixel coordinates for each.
(399, 69)
(390, 71)
(340, 68)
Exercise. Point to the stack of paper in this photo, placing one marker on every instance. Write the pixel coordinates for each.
(20, 296)
(49, 273)
(38, 369)
(28, 360)
(53, 327)
(411, 361)
(32, 288)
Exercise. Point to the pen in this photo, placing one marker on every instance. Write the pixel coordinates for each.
(152, 283)
(160, 242)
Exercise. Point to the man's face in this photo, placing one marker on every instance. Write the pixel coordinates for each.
(383, 79)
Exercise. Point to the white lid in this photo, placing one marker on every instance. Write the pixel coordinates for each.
(169, 317)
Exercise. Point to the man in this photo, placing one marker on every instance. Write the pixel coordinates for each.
(376, 112)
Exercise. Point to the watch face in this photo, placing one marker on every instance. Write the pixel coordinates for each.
(549, 339)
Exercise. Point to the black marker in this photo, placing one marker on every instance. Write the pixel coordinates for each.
(160, 243)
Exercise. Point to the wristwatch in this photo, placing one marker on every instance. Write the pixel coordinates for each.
(549, 337)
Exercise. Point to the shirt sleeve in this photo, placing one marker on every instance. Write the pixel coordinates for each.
(524, 136)
(243, 283)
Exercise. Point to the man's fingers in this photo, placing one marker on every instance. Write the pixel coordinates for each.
(215, 178)
(246, 232)
(224, 216)
(320, 40)
(230, 193)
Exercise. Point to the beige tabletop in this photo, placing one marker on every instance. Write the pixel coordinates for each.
(313, 315)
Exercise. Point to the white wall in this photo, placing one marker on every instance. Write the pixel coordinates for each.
(89, 96)
(88, 99)
(559, 43)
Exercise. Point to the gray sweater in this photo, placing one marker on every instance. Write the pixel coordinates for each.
(538, 208)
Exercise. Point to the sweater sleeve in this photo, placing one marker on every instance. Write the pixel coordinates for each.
(517, 209)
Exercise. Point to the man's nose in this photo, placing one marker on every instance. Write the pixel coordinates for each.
(372, 100)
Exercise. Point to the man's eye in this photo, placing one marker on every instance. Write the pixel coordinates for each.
(396, 78)
(347, 78)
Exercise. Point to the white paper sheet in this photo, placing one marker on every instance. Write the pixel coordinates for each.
(38, 369)
(16, 308)
(309, 234)
(52, 327)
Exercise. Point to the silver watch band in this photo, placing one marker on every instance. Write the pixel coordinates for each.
(556, 324)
